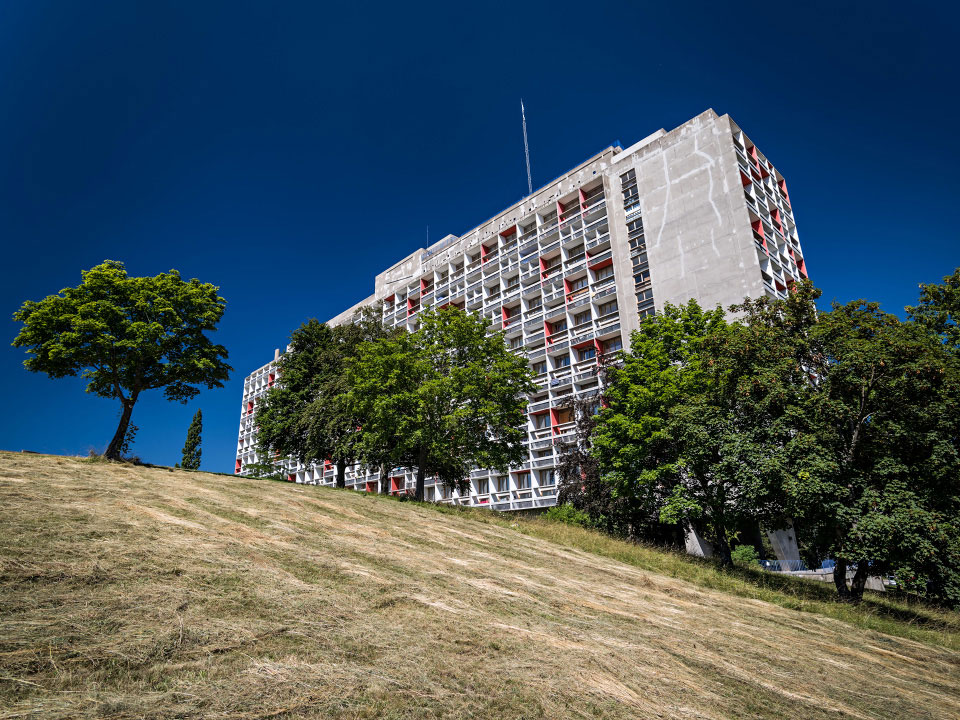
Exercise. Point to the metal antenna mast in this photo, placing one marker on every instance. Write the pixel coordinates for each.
(526, 148)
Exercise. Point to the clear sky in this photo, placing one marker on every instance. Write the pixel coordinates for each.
(287, 152)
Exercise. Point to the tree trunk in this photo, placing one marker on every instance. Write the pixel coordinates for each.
(341, 473)
(421, 475)
(113, 449)
(723, 549)
(859, 581)
(840, 578)
(384, 479)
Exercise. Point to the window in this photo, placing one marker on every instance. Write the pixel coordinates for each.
(587, 353)
(503, 483)
(516, 343)
(540, 367)
(535, 303)
(631, 194)
(483, 486)
(603, 273)
(581, 317)
(564, 415)
(612, 345)
(559, 326)
(523, 481)
(608, 308)
(562, 362)
(548, 477)
(541, 421)
(581, 283)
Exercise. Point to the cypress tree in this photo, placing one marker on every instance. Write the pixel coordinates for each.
(191, 448)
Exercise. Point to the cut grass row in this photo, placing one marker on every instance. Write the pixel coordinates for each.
(882, 612)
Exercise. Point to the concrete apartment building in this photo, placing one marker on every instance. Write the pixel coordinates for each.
(568, 272)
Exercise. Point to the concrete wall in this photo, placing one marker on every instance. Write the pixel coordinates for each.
(698, 233)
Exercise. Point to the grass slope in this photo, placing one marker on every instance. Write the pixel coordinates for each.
(129, 592)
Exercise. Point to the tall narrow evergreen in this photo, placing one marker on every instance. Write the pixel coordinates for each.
(191, 448)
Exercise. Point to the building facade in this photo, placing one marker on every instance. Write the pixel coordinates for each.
(568, 273)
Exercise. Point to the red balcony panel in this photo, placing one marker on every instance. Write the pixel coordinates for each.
(291, 477)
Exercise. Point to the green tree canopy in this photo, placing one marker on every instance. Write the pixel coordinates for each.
(191, 448)
(854, 415)
(441, 399)
(127, 335)
(877, 451)
(306, 414)
(666, 441)
(939, 309)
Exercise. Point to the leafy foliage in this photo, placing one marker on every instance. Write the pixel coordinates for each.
(191, 448)
(307, 413)
(441, 399)
(745, 556)
(127, 335)
(844, 424)
(567, 513)
(666, 442)
(939, 309)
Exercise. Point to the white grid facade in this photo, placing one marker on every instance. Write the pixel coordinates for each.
(568, 273)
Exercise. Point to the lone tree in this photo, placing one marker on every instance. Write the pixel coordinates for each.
(191, 448)
(127, 335)
(441, 399)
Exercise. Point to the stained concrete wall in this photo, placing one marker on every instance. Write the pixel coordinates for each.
(698, 234)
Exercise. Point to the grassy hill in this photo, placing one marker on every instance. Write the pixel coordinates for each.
(132, 592)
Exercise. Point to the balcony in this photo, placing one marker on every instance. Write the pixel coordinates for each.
(578, 294)
(602, 292)
(548, 228)
(594, 205)
(552, 297)
(597, 259)
(549, 246)
(582, 336)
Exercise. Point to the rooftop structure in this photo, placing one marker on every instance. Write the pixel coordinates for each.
(568, 272)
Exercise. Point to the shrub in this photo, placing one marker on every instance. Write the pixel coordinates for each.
(745, 556)
(567, 513)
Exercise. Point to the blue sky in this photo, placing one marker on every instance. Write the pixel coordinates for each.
(258, 145)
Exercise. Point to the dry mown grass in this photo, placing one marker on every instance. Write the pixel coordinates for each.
(131, 592)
